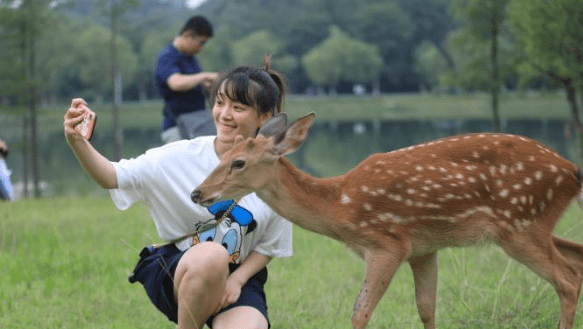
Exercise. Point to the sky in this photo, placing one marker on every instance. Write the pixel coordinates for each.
(194, 3)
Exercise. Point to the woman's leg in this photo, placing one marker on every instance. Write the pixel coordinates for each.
(243, 317)
(199, 283)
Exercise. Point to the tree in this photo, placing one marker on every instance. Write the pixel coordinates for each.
(24, 23)
(551, 34)
(341, 58)
(251, 49)
(483, 24)
(91, 60)
(386, 25)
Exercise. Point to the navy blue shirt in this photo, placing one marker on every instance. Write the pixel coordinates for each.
(170, 61)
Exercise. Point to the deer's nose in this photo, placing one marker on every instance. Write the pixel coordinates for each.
(196, 195)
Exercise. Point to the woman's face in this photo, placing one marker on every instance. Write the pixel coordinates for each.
(233, 118)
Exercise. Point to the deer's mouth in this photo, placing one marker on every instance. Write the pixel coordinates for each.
(199, 198)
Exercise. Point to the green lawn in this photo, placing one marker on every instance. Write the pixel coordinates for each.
(65, 263)
(350, 108)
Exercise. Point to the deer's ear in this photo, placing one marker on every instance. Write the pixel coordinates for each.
(275, 126)
(294, 136)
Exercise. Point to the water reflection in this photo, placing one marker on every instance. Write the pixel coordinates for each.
(332, 148)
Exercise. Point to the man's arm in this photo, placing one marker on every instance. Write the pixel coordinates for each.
(185, 82)
(96, 165)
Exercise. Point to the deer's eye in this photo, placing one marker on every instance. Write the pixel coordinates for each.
(238, 164)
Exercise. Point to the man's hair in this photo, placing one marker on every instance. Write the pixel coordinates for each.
(199, 25)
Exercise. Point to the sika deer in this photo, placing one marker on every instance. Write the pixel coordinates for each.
(407, 204)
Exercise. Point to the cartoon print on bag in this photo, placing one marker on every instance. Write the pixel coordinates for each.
(232, 239)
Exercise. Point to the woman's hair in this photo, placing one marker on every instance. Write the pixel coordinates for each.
(262, 88)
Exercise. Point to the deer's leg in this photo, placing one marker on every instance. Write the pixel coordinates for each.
(381, 265)
(425, 275)
(539, 253)
(572, 251)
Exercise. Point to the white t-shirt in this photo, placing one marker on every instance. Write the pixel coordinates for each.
(163, 179)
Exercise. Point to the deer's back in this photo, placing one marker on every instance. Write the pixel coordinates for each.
(503, 181)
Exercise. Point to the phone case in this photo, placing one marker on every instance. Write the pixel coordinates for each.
(86, 127)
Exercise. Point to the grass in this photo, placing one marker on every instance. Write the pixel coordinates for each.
(343, 108)
(65, 263)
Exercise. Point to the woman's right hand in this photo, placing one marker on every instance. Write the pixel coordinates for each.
(73, 117)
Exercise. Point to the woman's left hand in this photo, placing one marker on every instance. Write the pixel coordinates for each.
(231, 294)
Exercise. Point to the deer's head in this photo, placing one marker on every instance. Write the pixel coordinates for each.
(247, 166)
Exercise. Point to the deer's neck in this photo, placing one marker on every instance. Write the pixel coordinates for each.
(303, 199)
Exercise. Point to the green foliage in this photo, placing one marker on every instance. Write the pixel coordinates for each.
(95, 65)
(551, 34)
(342, 58)
(251, 49)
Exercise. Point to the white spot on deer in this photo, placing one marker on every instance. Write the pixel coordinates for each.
(471, 179)
(381, 191)
(363, 224)
(437, 186)
(550, 194)
(441, 169)
(531, 158)
(483, 176)
(411, 191)
(453, 164)
(459, 176)
(533, 211)
(499, 183)
(503, 169)
(517, 186)
(432, 168)
(345, 199)
(428, 181)
(471, 168)
(538, 175)
(395, 197)
(364, 188)
(492, 170)
(554, 168)
(523, 199)
(426, 188)
(367, 206)
(558, 180)
(530, 199)
(419, 168)
(366, 167)
(514, 200)
(390, 172)
(519, 166)
(475, 154)
(487, 188)
(527, 180)
(467, 196)
(414, 179)
(507, 213)
(503, 193)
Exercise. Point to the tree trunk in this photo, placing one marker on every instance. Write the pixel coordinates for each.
(114, 108)
(572, 99)
(32, 111)
(495, 75)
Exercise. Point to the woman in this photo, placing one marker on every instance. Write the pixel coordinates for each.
(217, 275)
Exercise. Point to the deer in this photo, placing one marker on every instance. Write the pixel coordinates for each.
(405, 205)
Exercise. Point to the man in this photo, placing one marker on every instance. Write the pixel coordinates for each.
(180, 80)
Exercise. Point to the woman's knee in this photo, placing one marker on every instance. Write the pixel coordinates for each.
(206, 262)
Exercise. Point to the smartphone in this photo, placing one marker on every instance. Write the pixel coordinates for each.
(86, 127)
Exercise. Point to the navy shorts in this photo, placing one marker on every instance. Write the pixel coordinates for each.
(155, 271)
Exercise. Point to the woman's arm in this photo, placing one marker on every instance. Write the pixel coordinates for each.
(96, 165)
(248, 268)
